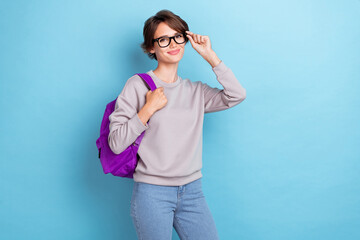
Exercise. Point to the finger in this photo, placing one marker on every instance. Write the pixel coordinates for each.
(188, 36)
(191, 39)
(191, 34)
(206, 38)
(197, 36)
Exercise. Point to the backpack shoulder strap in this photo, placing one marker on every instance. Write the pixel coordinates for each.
(148, 80)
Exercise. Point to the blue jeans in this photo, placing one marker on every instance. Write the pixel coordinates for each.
(156, 209)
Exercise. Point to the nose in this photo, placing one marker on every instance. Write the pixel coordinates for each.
(172, 43)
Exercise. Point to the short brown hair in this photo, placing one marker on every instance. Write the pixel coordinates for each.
(150, 26)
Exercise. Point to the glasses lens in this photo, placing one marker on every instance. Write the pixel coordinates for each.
(180, 38)
(163, 42)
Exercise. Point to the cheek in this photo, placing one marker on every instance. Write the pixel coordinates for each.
(182, 51)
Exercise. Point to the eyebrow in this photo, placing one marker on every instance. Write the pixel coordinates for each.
(168, 35)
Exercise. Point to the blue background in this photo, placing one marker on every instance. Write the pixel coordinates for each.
(284, 164)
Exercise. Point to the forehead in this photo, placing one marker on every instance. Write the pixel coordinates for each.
(164, 30)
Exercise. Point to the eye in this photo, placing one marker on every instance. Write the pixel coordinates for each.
(162, 40)
(178, 36)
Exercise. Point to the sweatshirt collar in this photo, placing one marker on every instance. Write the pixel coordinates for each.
(161, 83)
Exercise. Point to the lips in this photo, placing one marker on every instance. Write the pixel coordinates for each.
(174, 52)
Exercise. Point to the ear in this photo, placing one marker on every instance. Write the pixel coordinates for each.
(152, 50)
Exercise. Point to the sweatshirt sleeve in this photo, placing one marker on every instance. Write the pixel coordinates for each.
(125, 124)
(220, 99)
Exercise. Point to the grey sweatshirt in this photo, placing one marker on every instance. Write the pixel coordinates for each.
(171, 150)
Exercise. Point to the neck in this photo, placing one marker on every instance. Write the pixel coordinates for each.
(167, 72)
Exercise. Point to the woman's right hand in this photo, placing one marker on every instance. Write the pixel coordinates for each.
(156, 99)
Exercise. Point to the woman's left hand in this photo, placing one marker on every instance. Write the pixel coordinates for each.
(200, 43)
(203, 46)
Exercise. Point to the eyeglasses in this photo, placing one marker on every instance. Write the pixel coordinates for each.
(165, 41)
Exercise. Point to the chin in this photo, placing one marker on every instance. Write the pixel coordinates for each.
(175, 60)
(172, 59)
(179, 56)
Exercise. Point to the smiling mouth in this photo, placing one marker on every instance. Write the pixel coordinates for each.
(174, 52)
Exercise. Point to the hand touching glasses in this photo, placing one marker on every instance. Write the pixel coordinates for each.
(203, 46)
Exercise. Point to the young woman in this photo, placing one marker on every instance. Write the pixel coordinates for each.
(167, 188)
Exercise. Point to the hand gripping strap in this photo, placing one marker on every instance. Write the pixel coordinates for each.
(152, 86)
(148, 80)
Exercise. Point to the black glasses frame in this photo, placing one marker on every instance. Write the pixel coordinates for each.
(173, 37)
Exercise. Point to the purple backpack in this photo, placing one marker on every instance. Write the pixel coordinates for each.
(123, 164)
